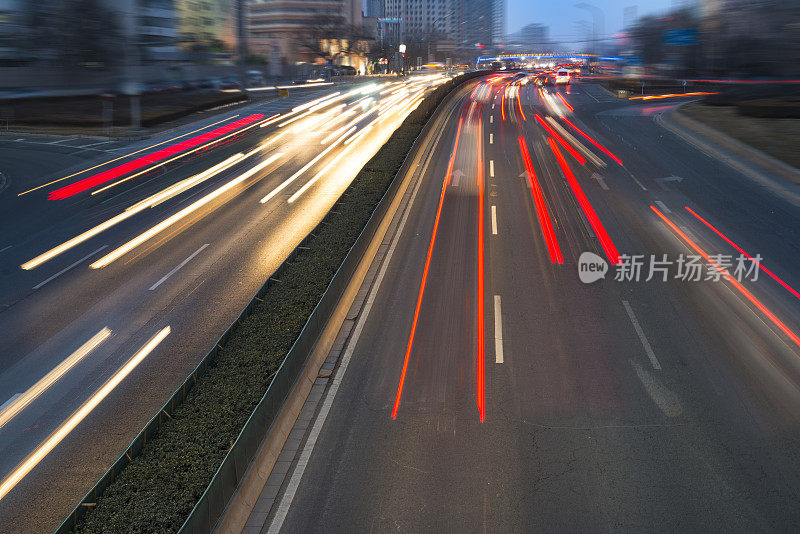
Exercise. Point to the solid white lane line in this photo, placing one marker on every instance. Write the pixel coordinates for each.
(294, 482)
(494, 220)
(6, 248)
(640, 184)
(176, 269)
(20, 401)
(96, 144)
(491, 168)
(660, 204)
(639, 332)
(63, 430)
(491, 138)
(498, 331)
(60, 141)
(59, 273)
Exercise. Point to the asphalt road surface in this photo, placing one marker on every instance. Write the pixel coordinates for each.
(82, 370)
(491, 390)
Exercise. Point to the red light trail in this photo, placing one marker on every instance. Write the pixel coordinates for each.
(737, 247)
(414, 322)
(562, 141)
(749, 296)
(595, 143)
(594, 220)
(541, 207)
(481, 341)
(115, 172)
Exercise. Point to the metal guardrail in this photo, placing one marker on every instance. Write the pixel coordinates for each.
(212, 503)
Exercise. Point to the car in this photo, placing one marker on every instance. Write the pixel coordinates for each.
(347, 70)
(562, 77)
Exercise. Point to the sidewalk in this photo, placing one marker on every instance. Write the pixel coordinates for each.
(783, 179)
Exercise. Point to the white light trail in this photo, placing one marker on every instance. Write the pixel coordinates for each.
(333, 162)
(141, 238)
(154, 200)
(33, 392)
(305, 167)
(33, 459)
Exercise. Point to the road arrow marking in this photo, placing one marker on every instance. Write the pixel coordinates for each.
(457, 175)
(663, 181)
(663, 207)
(600, 180)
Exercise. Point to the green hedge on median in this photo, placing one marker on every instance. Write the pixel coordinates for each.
(159, 488)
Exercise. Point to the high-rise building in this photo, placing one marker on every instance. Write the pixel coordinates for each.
(421, 18)
(469, 24)
(142, 30)
(499, 22)
(280, 29)
(374, 8)
(534, 36)
(151, 24)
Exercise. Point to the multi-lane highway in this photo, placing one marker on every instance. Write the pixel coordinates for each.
(486, 388)
(119, 273)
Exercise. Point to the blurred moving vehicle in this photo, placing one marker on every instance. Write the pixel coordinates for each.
(521, 78)
(562, 77)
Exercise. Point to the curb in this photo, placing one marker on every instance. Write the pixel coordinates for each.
(783, 179)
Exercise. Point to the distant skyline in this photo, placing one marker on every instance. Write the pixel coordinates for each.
(562, 17)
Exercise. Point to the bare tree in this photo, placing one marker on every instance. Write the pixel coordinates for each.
(331, 37)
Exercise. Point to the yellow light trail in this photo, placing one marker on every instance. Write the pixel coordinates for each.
(33, 392)
(33, 459)
(307, 166)
(154, 200)
(141, 238)
(333, 162)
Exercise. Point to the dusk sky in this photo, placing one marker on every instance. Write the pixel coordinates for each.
(562, 16)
